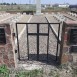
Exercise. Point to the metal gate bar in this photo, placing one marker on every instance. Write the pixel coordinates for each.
(17, 42)
(27, 41)
(38, 34)
(48, 42)
(58, 42)
(37, 41)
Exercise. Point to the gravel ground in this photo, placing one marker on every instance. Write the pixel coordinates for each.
(5, 15)
(51, 19)
(23, 18)
(69, 16)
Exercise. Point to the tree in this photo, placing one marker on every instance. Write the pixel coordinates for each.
(7, 4)
(18, 8)
(4, 3)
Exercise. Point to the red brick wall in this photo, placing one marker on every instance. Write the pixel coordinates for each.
(65, 55)
(7, 50)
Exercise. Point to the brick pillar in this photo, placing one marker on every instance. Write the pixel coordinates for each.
(7, 49)
(65, 55)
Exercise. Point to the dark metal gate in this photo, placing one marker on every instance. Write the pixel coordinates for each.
(38, 34)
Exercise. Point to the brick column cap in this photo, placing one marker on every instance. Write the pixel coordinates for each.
(71, 22)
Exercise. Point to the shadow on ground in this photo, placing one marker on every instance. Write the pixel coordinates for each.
(43, 59)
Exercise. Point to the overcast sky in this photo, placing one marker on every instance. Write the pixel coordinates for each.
(42, 1)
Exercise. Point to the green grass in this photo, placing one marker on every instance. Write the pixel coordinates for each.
(74, 72)
(32, 73)
(5, 72)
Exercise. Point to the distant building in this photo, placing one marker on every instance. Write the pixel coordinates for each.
(46, 6)
(63, 5)
(72, 6)
(38, 7)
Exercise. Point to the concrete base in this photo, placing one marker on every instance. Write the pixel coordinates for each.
(38, 14)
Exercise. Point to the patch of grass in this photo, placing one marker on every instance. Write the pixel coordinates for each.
(54, 73)
(74, 72)
(32, 73)
(4, 72)
(57, 75)
(51, 73)
(63, 66)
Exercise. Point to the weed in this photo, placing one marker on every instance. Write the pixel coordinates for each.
(4, 72)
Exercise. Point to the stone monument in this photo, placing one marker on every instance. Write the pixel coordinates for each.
(38, 7)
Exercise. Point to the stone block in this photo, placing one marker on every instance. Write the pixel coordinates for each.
(65, 49)
(66, 29)
(67, 43)
(65, 36)
(1, 60)
(7, 30)
(64, 59)
(12, 64)
(2, 49)
(70, 57)
(5, 61)
(8, 39)
(5, 56)
(1, 55)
